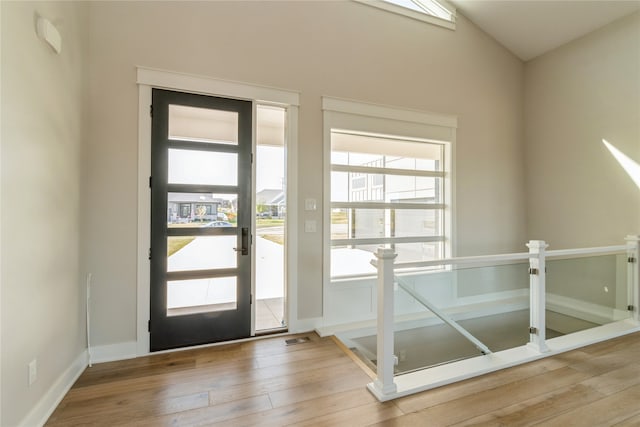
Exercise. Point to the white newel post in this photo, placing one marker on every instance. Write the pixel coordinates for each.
(633, 274)
(537, 275)
(384, 384)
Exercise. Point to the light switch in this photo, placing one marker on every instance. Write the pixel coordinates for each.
(310, 226)
(310, 204)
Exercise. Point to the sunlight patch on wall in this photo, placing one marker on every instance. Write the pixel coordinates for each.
(629, 165)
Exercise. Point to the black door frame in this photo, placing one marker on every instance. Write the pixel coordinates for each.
(200, 328)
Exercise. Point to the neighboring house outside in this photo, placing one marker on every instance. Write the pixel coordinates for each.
(375, 223)
(271, 203)
(188, 207)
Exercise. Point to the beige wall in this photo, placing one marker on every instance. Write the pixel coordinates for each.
(42, 128)
(577, 194)
(340, 49)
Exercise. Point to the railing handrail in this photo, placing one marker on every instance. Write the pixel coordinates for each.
(463, 260)
(601, 250)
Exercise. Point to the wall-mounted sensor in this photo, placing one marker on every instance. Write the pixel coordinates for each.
(47, 32)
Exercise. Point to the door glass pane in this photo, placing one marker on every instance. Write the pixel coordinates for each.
(193, 210)
(202, 167)
(201, 295)
(203, 125)
(201, 252)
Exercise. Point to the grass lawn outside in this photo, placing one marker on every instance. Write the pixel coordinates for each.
(174, 244)
(269, 222)
(275, 238)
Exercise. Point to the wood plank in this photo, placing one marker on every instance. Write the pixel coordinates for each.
(479, 384)
(304, 411)
(126, 410)
(633, 421)
(139, 371)
(210, 414)
(461, 409)
(617, 380)
(354, 379)
(612, 409)
(552, 404)
(268, 383)
(278, 382)
(359, 416)
(538, 408)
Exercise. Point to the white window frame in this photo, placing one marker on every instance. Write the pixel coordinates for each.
(340, 114)
(424, 17)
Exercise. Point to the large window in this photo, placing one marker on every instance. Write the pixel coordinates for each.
(390, 189)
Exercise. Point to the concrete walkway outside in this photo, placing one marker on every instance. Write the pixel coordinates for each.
(208, 252)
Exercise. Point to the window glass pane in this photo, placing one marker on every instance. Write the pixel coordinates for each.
(339, 223)
(370, 223)
(422, 251)
(413, 189)
(202, 167)
(359, 187)
(201, 210)
(367, 223)
(353, 260)
(416, 222)
(271, 203)
(203, 125)
(428, 7)
(381, 152)
(201, 295)
(382, 161)
(186, 253)
(351, 189)
(339, 186)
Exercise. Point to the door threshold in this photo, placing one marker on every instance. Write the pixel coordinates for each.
(275, 331)
(259, 335)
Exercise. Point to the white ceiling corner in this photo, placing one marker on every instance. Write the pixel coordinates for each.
(529, 28)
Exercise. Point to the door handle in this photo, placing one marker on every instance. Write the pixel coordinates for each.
(244, 250)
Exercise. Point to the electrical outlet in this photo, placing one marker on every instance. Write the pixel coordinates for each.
(33, 371)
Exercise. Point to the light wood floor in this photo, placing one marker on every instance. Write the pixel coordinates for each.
(266, 383)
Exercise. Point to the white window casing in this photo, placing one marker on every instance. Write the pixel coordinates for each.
(400, 129)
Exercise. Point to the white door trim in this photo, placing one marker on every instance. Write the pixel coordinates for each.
(147, 79)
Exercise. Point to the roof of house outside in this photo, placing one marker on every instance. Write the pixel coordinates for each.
(193, 198)
(270, 197)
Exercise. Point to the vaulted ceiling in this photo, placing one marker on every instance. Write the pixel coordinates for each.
(529, 28)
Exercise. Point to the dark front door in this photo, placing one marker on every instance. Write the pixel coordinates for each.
(200, 219)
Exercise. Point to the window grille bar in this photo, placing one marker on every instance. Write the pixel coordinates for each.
(386, 240)
(383, 205)
(385, 171)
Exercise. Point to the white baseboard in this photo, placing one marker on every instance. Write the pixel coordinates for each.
(300, 326)
(113, 352)
(52, 398)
